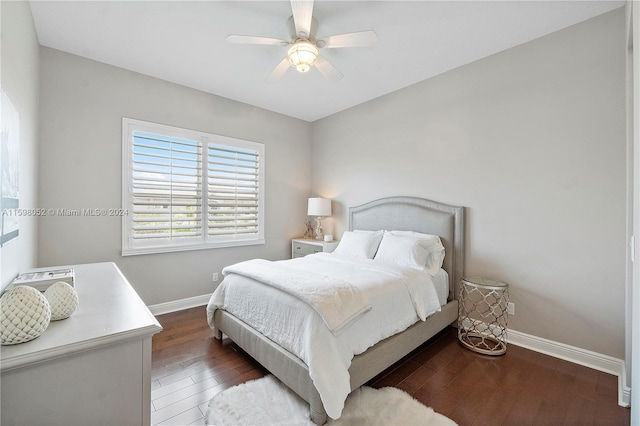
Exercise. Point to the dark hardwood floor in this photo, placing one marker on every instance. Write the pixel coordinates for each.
(520, 388)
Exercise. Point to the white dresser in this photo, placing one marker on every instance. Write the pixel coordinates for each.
(302, 247)
(93, 368)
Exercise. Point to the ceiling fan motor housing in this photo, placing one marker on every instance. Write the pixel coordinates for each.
(291, 26)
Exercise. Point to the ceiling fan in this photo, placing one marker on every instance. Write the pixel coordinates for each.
(303, 47)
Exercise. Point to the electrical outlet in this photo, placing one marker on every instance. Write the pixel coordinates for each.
(511, 308)
(215, 277)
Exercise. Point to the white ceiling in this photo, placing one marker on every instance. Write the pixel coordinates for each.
(184, 42)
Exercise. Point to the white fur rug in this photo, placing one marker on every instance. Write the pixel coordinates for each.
(266, 401)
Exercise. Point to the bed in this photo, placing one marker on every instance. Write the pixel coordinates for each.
(394, 213)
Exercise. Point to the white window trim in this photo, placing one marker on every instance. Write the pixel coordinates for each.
(130, 125)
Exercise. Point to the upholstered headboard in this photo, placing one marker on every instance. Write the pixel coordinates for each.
(419, 215)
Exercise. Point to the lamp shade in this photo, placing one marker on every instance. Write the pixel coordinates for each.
(319, 207)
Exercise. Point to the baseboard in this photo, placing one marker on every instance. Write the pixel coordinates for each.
(179, 305)
(576, 355)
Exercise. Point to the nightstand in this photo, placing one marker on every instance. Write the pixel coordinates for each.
(302, 247)
(482, 316)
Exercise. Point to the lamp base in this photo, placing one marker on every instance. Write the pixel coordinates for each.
(318, 230)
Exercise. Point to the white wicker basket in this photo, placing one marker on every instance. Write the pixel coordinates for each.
(63, 300)
(24, 315)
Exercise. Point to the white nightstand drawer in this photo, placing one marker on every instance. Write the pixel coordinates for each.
(303, 247)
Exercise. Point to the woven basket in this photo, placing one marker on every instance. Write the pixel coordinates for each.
(63, 300)
(24, 315)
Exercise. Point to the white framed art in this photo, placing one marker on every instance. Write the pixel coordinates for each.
(9, 160)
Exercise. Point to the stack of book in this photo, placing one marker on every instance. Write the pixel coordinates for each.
(41, 280)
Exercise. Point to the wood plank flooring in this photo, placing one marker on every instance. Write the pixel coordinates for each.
(520, 388)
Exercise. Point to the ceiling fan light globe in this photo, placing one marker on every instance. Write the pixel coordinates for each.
(302, 55)
(303, 68)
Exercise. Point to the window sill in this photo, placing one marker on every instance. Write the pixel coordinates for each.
(172, 249)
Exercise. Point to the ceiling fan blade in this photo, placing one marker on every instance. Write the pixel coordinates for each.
(302, 15)
(358, 39)
(245, 39)
(327, 70)
(279, 71)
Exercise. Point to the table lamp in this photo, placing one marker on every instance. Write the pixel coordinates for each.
(320, 208)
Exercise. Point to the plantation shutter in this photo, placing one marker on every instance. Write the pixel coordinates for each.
(189, 190)
(233, 185)
(166, 188)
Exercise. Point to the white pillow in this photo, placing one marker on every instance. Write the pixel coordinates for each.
(432, 244)
(360, 244)
(400, 250)
(364, 231)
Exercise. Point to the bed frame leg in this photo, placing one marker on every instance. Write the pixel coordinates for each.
(217, 333)
(318, 418)
(316, 408)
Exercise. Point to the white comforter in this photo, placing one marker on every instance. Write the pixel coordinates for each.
(338, 302)
(399, 296)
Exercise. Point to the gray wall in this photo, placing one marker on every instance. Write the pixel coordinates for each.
(82, 105)
(532, 141)
(20, 57)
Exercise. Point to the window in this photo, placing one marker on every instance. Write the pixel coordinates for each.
(187, 190)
